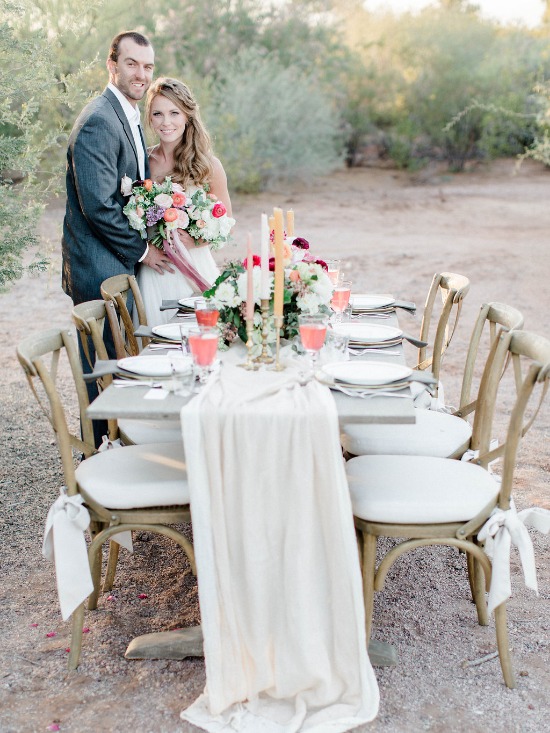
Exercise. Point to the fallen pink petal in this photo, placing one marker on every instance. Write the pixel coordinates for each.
(68, 649)
(33, 626)
(53, 726)
(111, 598)
(143, 595)
(86, 630)
(50, 634)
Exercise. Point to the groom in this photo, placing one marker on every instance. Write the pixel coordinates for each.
(105, 145)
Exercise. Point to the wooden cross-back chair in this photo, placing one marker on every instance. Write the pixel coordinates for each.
(135, 487)
(117, 290)
(452, 289)
(438, 433)
(437, 501)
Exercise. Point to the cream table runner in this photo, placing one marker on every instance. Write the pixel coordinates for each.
(278, 571)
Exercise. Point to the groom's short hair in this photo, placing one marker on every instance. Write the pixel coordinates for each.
(136, 37)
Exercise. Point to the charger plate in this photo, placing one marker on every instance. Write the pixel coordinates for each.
(171, 331)
(367, 373)
(189, 303)
(159, 365)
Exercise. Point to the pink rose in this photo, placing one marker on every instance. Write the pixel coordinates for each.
(218, 210)
(177, 187)
(183, 219)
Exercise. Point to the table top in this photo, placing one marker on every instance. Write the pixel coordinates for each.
(130, 403)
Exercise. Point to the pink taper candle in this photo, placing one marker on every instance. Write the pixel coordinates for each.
(279, 269)
(249, 279)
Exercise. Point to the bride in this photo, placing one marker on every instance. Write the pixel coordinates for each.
(185, 154)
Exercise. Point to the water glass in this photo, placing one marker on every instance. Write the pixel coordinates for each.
(333, 270)
(340, 298)
(336, 346)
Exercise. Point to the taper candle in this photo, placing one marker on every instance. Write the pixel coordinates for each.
(249, 279)
(290, 223)
(279, 269)
(264, 251)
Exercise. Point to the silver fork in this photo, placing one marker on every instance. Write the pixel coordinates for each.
(371, 393)
(372, 350)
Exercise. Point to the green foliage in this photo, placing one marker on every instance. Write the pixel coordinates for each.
(271, 125)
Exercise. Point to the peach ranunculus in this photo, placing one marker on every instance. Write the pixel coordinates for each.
(294, 275)
(287, 254)
(200, 223)
(218, 210)
(178, 198)
(147, 184)
(163, 200)
(170, 215)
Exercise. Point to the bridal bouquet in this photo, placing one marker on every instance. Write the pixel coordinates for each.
(307, 289)
(157, 209)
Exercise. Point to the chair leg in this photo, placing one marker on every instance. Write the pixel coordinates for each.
(95, 569)
(76, 637)
(503, 645)
(368, 568)
(478, 583)
(114, 548)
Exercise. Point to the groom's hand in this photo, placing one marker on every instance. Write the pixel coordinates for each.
(157, 260)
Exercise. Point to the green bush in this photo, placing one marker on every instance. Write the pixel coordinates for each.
(272, 125)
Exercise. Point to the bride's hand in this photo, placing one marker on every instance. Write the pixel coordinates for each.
(188, 241)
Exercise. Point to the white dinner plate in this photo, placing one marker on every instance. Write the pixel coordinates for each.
(171, 331)
(156, 365)
(366, 373)
(364, 302)
(368, 333)
(189, 302)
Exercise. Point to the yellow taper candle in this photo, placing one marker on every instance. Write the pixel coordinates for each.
(290, 223)
(279, 269)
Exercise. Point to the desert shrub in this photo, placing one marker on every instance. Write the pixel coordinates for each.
(271, 125)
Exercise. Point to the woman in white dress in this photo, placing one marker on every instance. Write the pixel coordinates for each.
(184, 153)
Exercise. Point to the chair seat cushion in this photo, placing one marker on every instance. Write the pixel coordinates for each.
(136, 476)
(418, 489)
(433, 434)
(150, 431)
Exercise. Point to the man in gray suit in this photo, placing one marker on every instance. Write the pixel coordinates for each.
(105, 145)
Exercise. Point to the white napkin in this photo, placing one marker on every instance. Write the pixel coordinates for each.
(279, 579)
(64, 543)
(501, 530)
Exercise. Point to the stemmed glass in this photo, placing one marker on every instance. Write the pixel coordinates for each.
(313, 329)
(333, 270)
(340, 298)
(206, 313)
(203, 343)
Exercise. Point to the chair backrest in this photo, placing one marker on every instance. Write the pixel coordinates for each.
(525, 357)
(453, 289)
(90, 319)
(491, 319)
(117, 289)
(33, 354)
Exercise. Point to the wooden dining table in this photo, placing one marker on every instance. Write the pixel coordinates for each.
(130, 403)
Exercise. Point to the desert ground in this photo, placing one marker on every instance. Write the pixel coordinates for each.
(393, 231)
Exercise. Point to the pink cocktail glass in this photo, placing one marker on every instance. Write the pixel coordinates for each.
(207, 316)
(340, 298)
(313, 330)
(204, 346)
(333, 270)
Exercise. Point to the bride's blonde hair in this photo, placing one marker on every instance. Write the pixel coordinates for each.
(193, 155)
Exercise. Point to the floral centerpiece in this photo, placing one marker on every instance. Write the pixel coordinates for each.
(307, 289)
(156, 210)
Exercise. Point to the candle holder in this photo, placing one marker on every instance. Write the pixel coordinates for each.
(250, 362)
(264, 357)
(278, 367)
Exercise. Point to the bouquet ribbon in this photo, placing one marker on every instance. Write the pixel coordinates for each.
(178, 254)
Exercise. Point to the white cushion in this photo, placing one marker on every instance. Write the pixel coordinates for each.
(418, 489)
(136, 476)
(433, 434)
(150, 431)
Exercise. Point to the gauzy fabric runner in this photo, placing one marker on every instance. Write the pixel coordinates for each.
(278, 570)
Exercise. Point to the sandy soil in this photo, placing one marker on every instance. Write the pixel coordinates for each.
(394, 232)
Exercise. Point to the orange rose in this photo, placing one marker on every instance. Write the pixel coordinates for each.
(170, 215)
(178, 199)
(147, 184)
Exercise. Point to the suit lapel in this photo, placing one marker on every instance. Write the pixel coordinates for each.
(108, 94)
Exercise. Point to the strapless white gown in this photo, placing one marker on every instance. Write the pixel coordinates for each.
(172, 286)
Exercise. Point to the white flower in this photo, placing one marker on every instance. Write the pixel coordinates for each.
(163, 200)
(308, 303)
(226, 296)
(177, 187)
(126, 186)
(136, 222)
(242, 285)
(182, 221)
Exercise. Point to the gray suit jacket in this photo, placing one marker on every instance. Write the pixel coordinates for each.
(97, 240)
